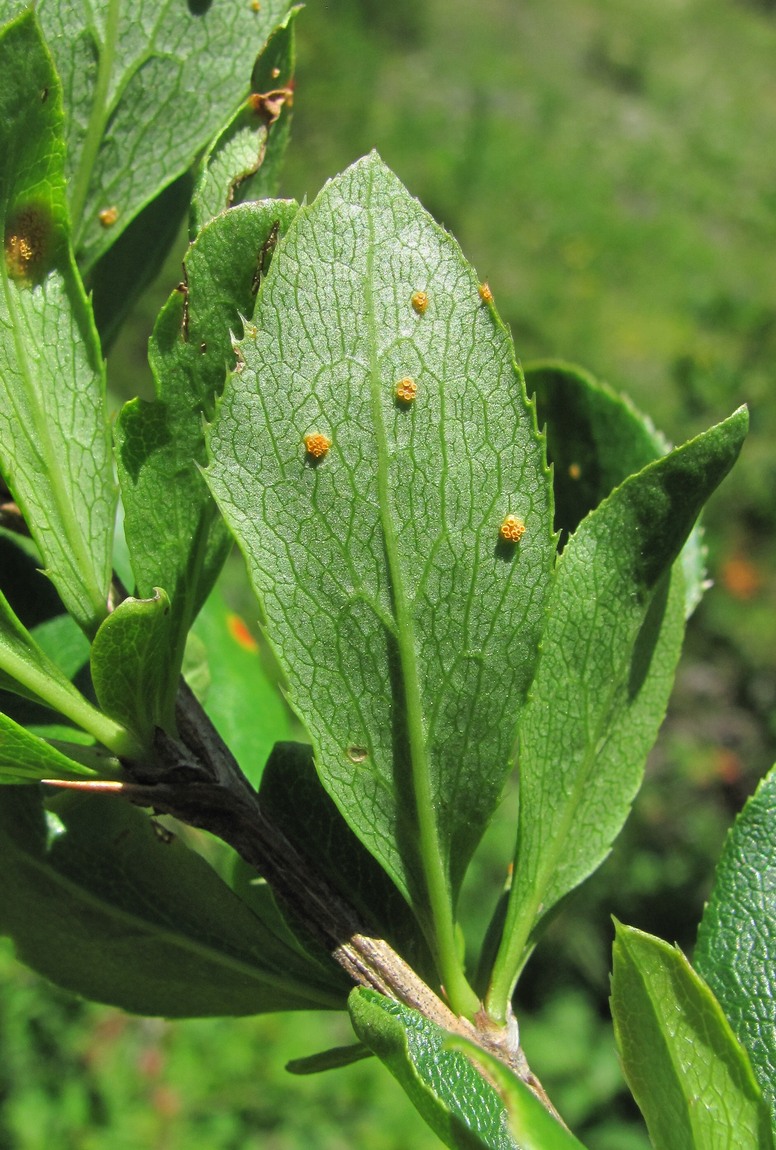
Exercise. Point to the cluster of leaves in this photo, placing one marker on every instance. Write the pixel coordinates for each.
(425, 650)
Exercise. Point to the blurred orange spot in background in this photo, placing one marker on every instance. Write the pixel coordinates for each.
(740, 577)
(240, 633)
(727, 766)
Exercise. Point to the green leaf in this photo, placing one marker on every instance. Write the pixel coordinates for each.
(532, 1125)
(137, 257)
(64, 642)
(243, 162)
(453, 1098)
(407, 630)
(257, 894)
(615, 622)
(147, 84)
(241, 696)
(26, 670)
(176, 538)
(25, 757)
(131, 671)
(690, 1077)
(293, 799)
(736, 951)
(333, 1059)
(174, 940)
(595, 440)
(55, 451)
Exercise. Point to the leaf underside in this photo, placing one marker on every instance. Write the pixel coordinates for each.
(406, 628)
(147, 86)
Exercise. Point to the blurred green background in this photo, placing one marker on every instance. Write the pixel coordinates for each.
(608, 166)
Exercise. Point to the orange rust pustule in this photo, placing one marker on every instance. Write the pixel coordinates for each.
(317, 445)
(28, 242)
(406, 391)
(512, 529)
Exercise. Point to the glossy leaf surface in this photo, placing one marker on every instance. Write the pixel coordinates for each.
(688, 1073)
(452, 1096)
(595, 440)
(736, 951)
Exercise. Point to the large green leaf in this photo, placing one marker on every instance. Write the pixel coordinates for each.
(147, 85)
(688, 1073)
(176, 538)
(595, 439)
(407, 628)
(453, 1098)
(55, 450)
(106, 906)
(614, 628)
(736, 951)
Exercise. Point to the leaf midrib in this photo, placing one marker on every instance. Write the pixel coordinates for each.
(98, 117)
(441, 931)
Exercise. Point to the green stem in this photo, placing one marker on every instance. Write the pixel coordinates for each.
(462, 998)
(63, 697)
(98, 117)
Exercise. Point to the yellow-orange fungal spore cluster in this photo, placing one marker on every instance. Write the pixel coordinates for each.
(512, 529)
(316, 444)
(406, 390)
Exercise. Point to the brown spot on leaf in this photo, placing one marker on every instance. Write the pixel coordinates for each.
(28, 242)
(269, 105)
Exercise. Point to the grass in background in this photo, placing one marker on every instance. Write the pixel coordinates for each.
(607, 166)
